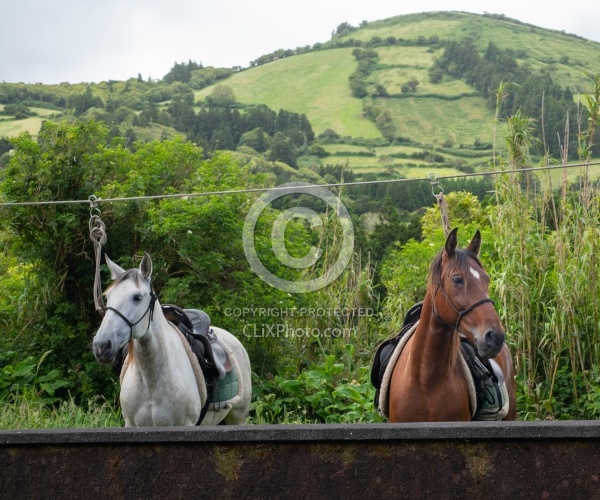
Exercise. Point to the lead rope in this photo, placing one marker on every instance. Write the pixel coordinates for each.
(441, 201)
(98, 237)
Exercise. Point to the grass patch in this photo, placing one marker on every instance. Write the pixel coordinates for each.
(384, 160)
(336, 148)
(394, 78)
(409, 167)
(422, 171)
(554, 178)
(12, 128)
(413, 57)
(436, 121)
(315, 84)
(25, 413)
(390, 150)
(410, 27)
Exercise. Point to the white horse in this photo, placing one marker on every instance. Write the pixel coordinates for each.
(160, 386)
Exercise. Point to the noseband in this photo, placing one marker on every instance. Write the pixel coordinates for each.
(153, 299)
(461, 314)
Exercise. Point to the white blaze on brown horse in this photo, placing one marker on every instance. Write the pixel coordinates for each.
(428, 383)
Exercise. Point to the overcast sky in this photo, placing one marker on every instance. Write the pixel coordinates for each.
(86, 41)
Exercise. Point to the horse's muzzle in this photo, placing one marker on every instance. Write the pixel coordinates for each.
(491, 344)
(105, 351)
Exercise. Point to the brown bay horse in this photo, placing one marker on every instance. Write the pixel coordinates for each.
(428, 383)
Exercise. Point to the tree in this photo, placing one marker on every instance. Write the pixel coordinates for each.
(318, 150)
(391, 228)
(380, 90)
(222, 96)
(412, 84)
(344, 29)
(181, 72)
(282, 150)
(195, 243)
(262, 117)
(80, 103)
(51, 241)
(435, 74)
(358, 86)
(256, 139)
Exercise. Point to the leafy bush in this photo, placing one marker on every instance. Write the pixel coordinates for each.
(24, 378)
(320, 394)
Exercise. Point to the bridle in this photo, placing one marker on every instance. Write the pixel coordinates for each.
(153, 299)
(461, 314)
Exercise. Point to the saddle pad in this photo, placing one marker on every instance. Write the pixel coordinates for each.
(493, 409)
(225, 389)
(384, 390)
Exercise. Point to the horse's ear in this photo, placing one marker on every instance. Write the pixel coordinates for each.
(451, 242)
(115, 269)
(146, 266)
(475, 244)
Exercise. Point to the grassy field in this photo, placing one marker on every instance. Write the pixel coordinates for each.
(410, 171)
(12, 128)
(315, 84)
(553, 178)
(412, 57)
(379, 150)
(9, 127)
(410, 27)
(409, 167)
(544, 47)
(394, 78)
(29, 413)
(435, 121)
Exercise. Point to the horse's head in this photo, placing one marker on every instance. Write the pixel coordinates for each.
(460, 295)
(128, 312)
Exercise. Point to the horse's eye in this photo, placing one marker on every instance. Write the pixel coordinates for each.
(137, 297)
(457, 280)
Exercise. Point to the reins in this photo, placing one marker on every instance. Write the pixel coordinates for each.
(441, 201)
(98, 237)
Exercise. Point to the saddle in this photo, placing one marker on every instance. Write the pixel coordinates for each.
(488, 378)
(195, 326)
(386, 348)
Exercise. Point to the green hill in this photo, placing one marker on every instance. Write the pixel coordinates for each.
(450, 113)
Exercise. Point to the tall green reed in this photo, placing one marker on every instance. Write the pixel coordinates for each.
(547, 277)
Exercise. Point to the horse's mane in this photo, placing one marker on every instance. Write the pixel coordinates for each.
(459, 261)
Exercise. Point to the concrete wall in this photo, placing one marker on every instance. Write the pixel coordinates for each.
(449, 460)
